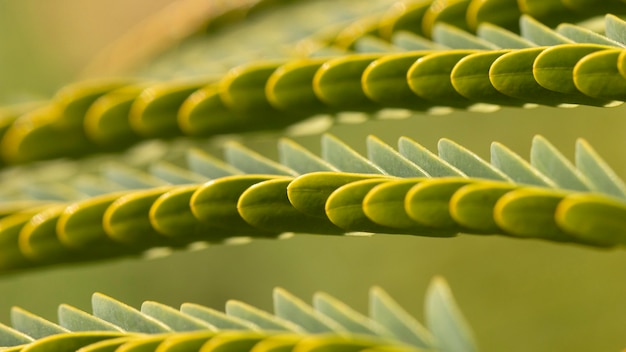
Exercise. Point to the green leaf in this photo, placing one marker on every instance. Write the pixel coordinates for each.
(392, 162)
(74, 100)
(597, 75)
(131, 178)
(215, 202)
(598, 172)
(290, 87)
(266, 206)
(11, 337)
(529, 212)
(37, 135)
(372, 44)
(501, 37)
(583, 35)
(429, 78)
(206, 165)
(338, 82)
(92, 186)
(352, 320)
(428, 203)
(153, 112)
(175, 175)
(520, 170)
(384, 81)
(293, 309)
(10, 114)
(174, 319)
(125, 316)
(385, 205)
(262, 319)
(38, 240)
(512, 75)
(469, 163)
(539, 33)
(215, 318)
(52, 192)
(74, 319)
(428, 161)
(221, 108)
(127, 219)
(33, 325)
(106, 120)
(300, 159)
(550, 162)
(80, 224)
(10, 228)
(317, 329)
(445, 320)
(171, 215)
(345, 158)
(554, 69)
(251, 162)
(593, 219)
(309, 193)
(412, 42)
(210, 212)
(243, 88)
(470, 78)
(344, 207)
(615, 28)
(204, 113)
(455, 38)
(471, 206)
(388, 313)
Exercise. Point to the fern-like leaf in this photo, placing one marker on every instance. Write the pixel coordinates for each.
(406, 191)
(579, 68)
(329, 325)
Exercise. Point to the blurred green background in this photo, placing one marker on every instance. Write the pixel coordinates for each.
(518, 295)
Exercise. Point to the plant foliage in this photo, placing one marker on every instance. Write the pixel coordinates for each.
(327, 325)
(569, 65)
(426, 56)
(410, 191)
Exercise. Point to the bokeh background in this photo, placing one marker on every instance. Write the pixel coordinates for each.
(518, 295)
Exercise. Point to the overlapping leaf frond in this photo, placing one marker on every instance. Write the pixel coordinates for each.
(328, 324)
(126, 211)
(418, 56)
(452, 68)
